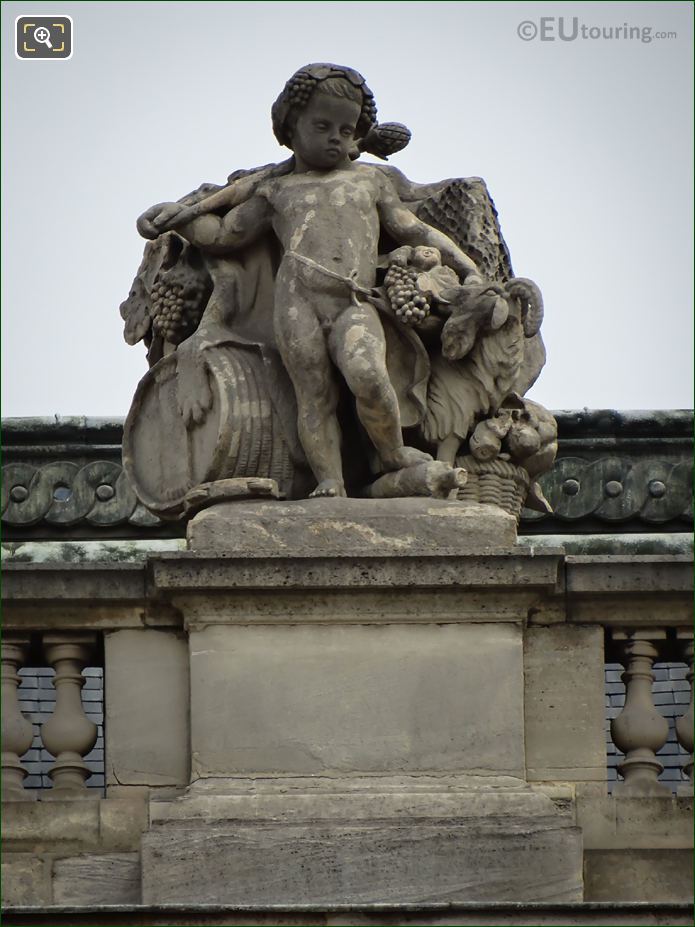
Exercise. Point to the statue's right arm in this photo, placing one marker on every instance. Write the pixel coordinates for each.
(239, 227)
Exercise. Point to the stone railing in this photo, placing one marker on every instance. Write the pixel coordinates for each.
(68, 734)
(633, 610)
(640, 731)
(202, 652)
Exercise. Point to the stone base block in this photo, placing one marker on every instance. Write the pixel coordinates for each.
(363, 841)
(97, 879)
(342, 526)
(25, 880)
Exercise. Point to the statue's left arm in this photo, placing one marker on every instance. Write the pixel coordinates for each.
(407, 229)
(240, 226)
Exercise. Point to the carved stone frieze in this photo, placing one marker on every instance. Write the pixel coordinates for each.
(63, 493)
(615, 489)
(629, 469)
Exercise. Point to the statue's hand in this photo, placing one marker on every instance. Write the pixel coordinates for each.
(192, 387)
(152, 222)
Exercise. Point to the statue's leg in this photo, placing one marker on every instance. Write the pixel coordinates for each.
(303, 349)
(358, 347)
(448, 449)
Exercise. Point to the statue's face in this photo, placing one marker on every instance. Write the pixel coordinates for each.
(324, 133)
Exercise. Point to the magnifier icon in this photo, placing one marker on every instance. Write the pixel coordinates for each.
(43, 36)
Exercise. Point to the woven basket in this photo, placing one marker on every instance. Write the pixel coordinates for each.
(495, 482)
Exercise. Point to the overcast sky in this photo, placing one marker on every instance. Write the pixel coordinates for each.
(585, 144)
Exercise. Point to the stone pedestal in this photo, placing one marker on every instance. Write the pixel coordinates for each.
(357, 710)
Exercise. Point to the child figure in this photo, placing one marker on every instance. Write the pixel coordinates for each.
(327, 214)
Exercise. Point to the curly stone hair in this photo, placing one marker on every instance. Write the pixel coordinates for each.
(300, 87)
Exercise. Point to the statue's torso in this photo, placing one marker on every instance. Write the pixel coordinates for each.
(330, 217)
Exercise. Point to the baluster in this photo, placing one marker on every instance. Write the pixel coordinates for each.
(639, 731)
(17, 732)
(684, 724)
(68, 734)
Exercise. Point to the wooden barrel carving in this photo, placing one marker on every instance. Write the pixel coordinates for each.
(241, 435)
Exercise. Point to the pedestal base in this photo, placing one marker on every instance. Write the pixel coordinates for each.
(342, 526)
(364, 840)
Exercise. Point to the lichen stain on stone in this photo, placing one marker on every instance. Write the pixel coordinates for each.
(298, 234)
(364, 532)
(353, 338)
(337, 196)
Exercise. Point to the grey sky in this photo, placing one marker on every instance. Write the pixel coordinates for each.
(586, 147)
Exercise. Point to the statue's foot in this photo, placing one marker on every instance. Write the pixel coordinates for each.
(328, 488)
(404, 457)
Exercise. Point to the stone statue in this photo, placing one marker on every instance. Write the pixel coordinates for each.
(305, 315)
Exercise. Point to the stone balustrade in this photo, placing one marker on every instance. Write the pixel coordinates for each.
(487, 667)
(684, 724)
(17, 732)
(640, 731)
(112, 599)
(68, 734)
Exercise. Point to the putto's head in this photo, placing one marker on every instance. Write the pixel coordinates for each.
(425, 258)
(331, 80)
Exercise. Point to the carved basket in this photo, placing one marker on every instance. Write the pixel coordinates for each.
(495, 482)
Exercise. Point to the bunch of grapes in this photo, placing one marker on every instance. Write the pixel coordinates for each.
(408, 302)
(176, 310)
(300, 87)
(369, 111)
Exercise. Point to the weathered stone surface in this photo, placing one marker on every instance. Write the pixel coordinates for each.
(676, 543)
(364, 799)
(97, 880)
(629, 590)
(36, 825)
(130, 551)
(75, 581)
(121, 822)
(146, 699)
(612, 826)
(639, 875)
(313, 700)
(72, 827)
(515, 571)
(636, 574)
(25, 880)
(364, 605)
(378, 526)
(564, 704)
(306, 842)
(264, 864)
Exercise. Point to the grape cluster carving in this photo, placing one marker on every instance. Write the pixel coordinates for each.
(176, 309)
(408, 302)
